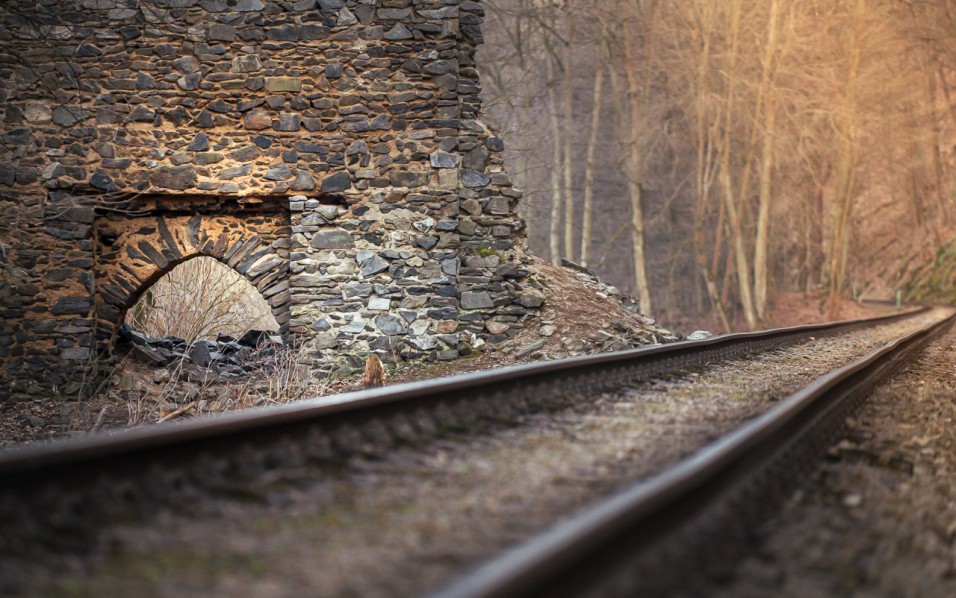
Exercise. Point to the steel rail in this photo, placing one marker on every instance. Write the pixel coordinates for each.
(129, 450)
(697, 516)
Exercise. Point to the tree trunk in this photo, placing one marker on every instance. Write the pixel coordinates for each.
(586, 220)
(845, 171)
(762, 248)
(634, 171)
(568, 136)
(703, 177)
(726, 182)
(761, 245)
(555, 230)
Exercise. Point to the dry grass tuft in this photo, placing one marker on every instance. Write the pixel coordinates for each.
(150, 396)
(198, 299)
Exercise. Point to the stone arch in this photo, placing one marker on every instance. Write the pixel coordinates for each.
(132, 253)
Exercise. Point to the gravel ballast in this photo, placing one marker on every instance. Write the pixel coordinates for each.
(879, 518)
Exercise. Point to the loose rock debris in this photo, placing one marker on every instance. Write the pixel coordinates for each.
(227, 356)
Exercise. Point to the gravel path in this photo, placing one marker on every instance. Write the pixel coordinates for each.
(403, 522)
(879, 519)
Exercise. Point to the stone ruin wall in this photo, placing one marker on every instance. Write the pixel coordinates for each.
(330, 150)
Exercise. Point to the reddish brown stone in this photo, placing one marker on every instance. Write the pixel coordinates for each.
(256, 120)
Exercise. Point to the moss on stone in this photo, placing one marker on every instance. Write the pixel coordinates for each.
(935, 282)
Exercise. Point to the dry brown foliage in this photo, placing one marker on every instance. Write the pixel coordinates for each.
(374, 372)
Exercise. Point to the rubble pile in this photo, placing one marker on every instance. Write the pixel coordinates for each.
(226, 356)
(583, 315)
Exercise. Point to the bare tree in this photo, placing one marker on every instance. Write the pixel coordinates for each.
(748, 146)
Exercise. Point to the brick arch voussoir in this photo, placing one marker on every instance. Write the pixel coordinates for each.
(255, 260)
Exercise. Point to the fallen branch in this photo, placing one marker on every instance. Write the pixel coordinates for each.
(177, 413)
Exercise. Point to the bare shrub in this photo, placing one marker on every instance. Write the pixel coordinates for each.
(199, 298)
(276, 379)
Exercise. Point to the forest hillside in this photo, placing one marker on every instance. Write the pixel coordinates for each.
(709, 156)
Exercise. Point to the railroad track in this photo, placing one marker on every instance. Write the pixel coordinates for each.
(57, 493)
(697, 518)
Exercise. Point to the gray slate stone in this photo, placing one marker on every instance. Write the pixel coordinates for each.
(346, 18)
(179, 178)
(303, 182)
(531, 348)
(250, 5)
(359, 289)
(531, 300)
(67, 116)
(374, 265)
(379, 304)
(474, 179)
(398, 32)
(200, 354)
(354, 327)
(339, 181)
(149, 355)
(200, 143)
(476, 159)
(442, 67)
(207, 158)
(224, 33)
(333, 71)
(75, 354)
(88, 51)
(235, 172)
(479, 300)
(332, 239)
(79, 306)
(357, 148)
(426, 242)
(326, 340)
(284, 33)
(101, 180)
(189, 82)
(187, 65)
(278, 172)
(422, 343)
(408, 179)
(214, 5)
(248, 63)
(142, 114)
(329, 213)
(444, 160)
(390, 325)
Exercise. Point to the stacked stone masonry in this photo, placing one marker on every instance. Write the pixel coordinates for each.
(329, 150)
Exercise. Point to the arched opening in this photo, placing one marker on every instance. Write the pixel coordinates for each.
(201, 299)
(240, 242)
(204, 313)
